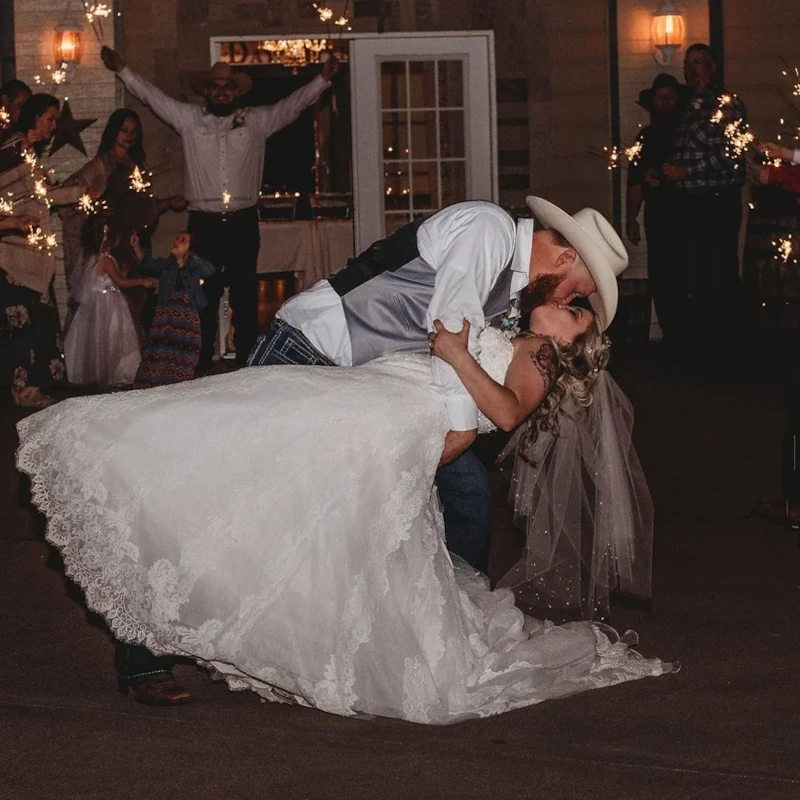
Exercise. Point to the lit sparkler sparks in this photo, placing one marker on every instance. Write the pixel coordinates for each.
(139, 182)
(90, 207)
(30, 158)
(42, 241)
(634, 152)
(95, 14)
(341, 22)
(614, 154)
(226, 198)
(783, 248)
(6, 206)
(5, 118)
(737, 133)
(739, 137)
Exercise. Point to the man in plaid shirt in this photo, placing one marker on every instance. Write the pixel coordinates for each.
(709, 177)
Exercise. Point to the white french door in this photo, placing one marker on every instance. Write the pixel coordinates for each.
(424, 126)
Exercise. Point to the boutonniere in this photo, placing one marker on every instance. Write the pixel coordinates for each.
(509, 324)
(238, 119)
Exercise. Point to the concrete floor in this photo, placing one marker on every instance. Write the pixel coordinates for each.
(725, 606)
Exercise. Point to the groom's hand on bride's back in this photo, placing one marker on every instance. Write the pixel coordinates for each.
(455, 444)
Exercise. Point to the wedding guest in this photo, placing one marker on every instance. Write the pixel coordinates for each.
(13, 95)
(102, 345)
(223, 147)
(33, 360)
(788, 177)
(121, 150)
(708, 177)
(666, 269)
(173, 346)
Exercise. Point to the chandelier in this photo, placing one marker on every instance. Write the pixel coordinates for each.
(294, 53)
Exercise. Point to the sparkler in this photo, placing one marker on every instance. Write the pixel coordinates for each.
(619, 155)
(95, 13)
(139, 182)
(6, 206)
(90, 207)
(42, 241)
(783, 248)
(5, 118)
(634, 152)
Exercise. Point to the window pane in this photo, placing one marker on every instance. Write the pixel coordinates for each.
(451, 84)
(423, 84)
(395, 186)
(395, 134)
(454, 182)
(393, 84)
(451, 134)
(423, 134)
(425, 186)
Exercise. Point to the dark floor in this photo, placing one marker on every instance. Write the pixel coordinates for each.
(726, 607)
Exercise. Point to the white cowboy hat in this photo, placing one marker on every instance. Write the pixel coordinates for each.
(598, 245)
(221, 72)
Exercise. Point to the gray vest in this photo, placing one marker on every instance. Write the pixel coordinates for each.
(386, 292)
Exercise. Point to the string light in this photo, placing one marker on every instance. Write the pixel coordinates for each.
(226, 198)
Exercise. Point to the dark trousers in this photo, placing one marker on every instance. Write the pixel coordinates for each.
(711, 242)
(136, 663)
(463, 484)
(666, 269)
(230, 242)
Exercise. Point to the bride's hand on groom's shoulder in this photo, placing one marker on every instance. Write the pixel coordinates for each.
(450, 347)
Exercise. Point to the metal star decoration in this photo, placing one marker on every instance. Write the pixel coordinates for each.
(69, 131)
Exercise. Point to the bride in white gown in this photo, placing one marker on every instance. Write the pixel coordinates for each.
(297, 547)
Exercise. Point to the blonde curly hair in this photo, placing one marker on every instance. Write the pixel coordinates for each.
(578, 368)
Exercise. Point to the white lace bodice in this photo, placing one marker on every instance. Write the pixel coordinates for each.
(496, 354)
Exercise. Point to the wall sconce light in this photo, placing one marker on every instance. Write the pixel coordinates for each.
(68, 44)
(667, 33)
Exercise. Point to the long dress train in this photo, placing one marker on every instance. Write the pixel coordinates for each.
(297, 546)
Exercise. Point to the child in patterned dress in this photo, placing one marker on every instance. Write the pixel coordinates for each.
(173, 346)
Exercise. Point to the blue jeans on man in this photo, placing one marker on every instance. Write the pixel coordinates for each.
(463, 483)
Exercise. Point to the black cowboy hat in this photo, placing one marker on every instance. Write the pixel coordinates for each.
(662, 81)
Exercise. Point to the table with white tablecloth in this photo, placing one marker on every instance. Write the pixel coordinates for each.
(311, 249)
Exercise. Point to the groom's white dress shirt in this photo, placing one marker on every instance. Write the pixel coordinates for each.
(468, 245)
(222, 154)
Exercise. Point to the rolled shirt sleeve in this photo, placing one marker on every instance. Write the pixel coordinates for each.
(469, 245)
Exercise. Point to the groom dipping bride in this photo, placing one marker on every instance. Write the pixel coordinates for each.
(299, 549)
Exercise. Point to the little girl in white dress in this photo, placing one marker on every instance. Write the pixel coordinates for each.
(102, 345)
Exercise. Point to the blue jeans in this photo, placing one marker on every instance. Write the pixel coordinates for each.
(463, 484)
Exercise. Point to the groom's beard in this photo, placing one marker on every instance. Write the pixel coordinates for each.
(540, 291)
(221, 110)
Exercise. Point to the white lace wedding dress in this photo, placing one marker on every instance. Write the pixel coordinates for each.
(280, 524)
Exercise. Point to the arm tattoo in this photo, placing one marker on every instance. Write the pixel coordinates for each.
(546, 361)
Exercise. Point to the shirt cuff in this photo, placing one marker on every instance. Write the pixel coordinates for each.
(463, 412)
